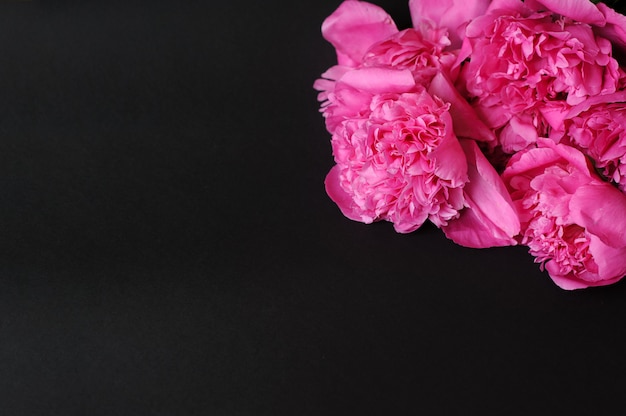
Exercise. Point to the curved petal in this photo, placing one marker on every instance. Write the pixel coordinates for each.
(583, 11)
(616, 97)
(611, 264)
(601, 209)
(450, 14)
(565, 282)
(490, 219)
(615, 28)
(380, 80)
(339, 196)
(466, 122)
(450, 162)
(354, 27)
(611, 261)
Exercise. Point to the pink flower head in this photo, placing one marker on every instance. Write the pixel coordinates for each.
(397, 156)
(573, 222)
(528, 67)
(598, 128)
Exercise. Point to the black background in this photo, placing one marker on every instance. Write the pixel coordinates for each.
(167, 246)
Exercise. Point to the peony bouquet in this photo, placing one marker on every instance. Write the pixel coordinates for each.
(501, 122)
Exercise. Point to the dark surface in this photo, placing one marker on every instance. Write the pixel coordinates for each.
(167, 247)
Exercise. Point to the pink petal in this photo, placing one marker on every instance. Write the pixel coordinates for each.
(354, 27)
(611, 261)
(466, 122)
(448, 157)
(339, 196)
(601, 209)
(572, 155)
(526, 162)
(616, 97)
(490, 218)
(582, 10)
(615, 29)
(564, 282)
(517, 135)
(611, 264)
(380, 80)
(450, 14)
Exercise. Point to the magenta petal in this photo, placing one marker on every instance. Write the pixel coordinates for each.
(601, 209)
(490, 219)
(466, 122)
(616, 97)
(565, 282)
(450, 163)
(611, 261)
(615, 28)
(354, 27)
(380, 80)
(339, 196)
(582, 10)
(611, 264)
(450, 14)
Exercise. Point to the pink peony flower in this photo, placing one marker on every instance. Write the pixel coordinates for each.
(397, 156)
(573, 222)
(527, 68)
(390, 112)
(598, 128)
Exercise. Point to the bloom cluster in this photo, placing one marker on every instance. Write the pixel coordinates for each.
(502, 122)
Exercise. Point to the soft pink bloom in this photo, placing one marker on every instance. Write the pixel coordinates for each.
(573, 222)
(397, 156)
(598, 128)
(527, 67)
(451, 15)
(490, 218)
